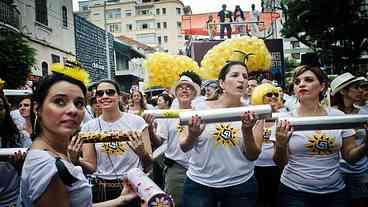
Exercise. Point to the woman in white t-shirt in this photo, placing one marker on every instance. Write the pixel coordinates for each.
(346, 90)
(48, 177)
(311, 175)
(110, 161)
(266, 171)
(221, 167)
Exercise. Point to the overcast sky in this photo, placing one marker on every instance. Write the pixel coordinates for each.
(203, 6)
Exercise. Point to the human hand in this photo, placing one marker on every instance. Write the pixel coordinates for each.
(194, 127)
(74, 150)
(136, 143)
(128, 194)
(248, 121)
(283, 132)
(150, 120)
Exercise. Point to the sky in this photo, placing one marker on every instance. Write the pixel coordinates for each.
(203, 6)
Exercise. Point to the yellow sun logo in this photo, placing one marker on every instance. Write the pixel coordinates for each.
(321, 144)
(226, 135)
(117, 148)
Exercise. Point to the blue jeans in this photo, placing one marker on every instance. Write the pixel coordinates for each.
(292, 198)
(197, 195)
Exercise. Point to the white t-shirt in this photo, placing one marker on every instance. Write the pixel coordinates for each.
(313, 164)
(217, 159)
(114, 159)
(38, 170)
(170, 130)
(265, 158)
(360, 166)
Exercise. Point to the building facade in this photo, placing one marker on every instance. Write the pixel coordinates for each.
(91, 49)
(156, 23)
(49, 27)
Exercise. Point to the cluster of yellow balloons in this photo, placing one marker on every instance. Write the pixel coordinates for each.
(258, 60)
(163, 69)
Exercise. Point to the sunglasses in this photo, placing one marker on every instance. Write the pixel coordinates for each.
(269, 95)
(24, 105)
(108, 92)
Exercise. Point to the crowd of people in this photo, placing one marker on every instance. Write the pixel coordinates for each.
(263, 163)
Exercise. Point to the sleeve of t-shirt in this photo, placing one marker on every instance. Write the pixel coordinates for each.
(344, 132)
(41, 171)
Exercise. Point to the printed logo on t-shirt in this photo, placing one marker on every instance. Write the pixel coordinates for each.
(179, 129)
(117, 148)
(267, 134)
(226, 135)
(321, 144)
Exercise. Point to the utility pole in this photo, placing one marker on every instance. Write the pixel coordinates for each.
(107, 45)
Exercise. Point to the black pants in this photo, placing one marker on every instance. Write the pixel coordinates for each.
(268, 181)
(104, 192)
(222, 30)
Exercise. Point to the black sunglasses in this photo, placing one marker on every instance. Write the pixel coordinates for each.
(269, 95)
(108, 92)
(25, 105)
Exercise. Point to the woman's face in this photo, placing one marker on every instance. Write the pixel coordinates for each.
(353, 92)
(25, 108)
(2, 111)
(272, 98)
(63, 109)
(236, 81)
(161, 103)
(307, 86)
(136, 97)
(107, 96)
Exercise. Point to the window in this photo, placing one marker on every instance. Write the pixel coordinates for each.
(128, 13)
(129, 27)
(166, 39)
(159, 40)
(113, 13)
(114, 27)
(84, 8)
(147, 38)
(157, 11)
(178, 11)
(96, 14)
(55, 58)
(45, 68)
(178, 24)
(144, 26)
(144, 12)
(158, 25)
(65, 16)
(41, 12)
(165, 25)
(163, 10)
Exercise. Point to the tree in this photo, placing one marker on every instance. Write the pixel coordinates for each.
(16, 59)
(334, 29)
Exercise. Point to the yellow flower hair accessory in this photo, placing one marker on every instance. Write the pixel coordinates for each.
(260, 91)
(2, 83)
(259, 58)
(163, 69)
(72, 69)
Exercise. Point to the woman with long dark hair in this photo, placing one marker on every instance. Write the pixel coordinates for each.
(10, 167)
(222, 155)
(49, 177)
(347, 91)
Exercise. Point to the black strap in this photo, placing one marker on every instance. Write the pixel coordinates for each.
(64, 173)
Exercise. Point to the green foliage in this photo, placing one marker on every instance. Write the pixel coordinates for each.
(334, 29)
(16, 59)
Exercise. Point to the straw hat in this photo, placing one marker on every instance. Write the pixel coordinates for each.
(342, 81)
